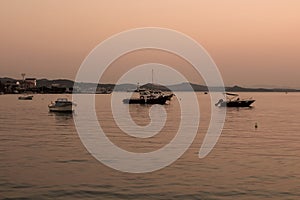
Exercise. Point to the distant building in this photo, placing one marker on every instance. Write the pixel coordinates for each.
(30, 83)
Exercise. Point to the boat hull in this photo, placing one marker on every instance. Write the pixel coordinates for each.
(242, 103)
(160, 100)
(66, 109)
(26, 98)
(169, 97)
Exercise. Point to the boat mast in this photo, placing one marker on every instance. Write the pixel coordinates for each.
(152, 80)
(152, 76)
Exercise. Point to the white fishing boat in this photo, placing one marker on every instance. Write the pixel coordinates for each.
(61, 105)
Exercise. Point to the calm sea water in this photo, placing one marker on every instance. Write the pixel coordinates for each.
(42, 157)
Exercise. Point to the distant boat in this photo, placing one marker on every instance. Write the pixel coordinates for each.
(25, 97)
(61, 105)
(147, 97)
(169, 96)
(234, 101)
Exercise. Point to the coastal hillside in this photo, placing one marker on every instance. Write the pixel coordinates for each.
(44, 83)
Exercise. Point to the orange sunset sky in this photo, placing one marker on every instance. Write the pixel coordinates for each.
(253, 42)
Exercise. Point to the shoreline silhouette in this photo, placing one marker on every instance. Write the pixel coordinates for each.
(11, 85)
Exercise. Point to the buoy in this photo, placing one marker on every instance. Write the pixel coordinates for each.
(255, 125)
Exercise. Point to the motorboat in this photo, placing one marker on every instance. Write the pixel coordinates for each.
(61, 105)
(233, 100)
(25, 97)
(147, 97)
(169, 96)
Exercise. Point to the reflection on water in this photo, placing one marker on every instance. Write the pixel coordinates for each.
(63, 117)
(42, 157)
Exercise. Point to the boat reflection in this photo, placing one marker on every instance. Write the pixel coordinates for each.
(62, 116)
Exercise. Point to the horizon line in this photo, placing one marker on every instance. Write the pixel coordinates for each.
(202, 84)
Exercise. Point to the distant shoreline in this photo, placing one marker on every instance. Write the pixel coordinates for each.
(65, 86)
(16, 94)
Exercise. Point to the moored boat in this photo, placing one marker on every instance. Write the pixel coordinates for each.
(147, 97)
(61, 105)
(234, 101)
(25, 97)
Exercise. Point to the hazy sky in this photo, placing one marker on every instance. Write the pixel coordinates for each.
(253, 42)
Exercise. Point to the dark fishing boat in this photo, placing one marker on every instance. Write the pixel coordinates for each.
(147, 97)
(233, 100)
(169, 96)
